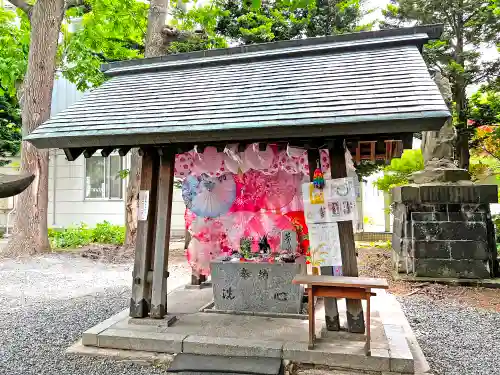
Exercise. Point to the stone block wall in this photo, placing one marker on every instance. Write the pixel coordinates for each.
(444, 231)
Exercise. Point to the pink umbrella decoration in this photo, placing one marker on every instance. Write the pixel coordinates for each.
(209, 196)
(200, 254)
(235, 225)
(207, 229)
(278, 190)
(250, 189)
(183, 164)
(268, 225)
(209, 162)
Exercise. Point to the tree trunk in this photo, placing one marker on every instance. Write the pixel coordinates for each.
(154, 47)
(462, 153)
(30, 225)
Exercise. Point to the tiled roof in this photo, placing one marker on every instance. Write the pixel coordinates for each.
(374, 83)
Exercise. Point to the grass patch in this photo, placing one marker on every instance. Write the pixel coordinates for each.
(83, 235)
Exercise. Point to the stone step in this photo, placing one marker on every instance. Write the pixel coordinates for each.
(193, 364)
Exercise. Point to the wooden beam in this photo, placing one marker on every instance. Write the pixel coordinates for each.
(89, 152)
(355, 317)
(73, 153)
(331, 308)
(163, 220)
(141, 289)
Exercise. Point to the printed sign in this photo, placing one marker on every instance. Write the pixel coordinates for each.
(325, 244)
(142, 214)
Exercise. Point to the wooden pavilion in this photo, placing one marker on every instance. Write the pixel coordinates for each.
(369, 91)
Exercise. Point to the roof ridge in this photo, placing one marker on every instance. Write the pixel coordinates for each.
(417, 35)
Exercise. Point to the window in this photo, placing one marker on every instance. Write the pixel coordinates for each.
(102, 177)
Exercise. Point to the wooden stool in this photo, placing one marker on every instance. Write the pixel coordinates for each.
(339, 287)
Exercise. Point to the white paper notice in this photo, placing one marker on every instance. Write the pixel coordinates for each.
(325, 244)
(142, 213)
(335, 202)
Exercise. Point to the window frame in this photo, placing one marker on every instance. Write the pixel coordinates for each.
(107, 162)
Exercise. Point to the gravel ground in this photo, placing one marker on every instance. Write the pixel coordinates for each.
(456, 340)
(46, 303)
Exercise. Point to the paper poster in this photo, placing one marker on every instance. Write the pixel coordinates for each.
(335, 202)
(325, 244)
(142, 213)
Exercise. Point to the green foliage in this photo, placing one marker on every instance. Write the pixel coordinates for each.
(468, 26)
(397, 173)
(243, 23)
(328, 17)
(111, 30)
(14, 47)
(82, 235)
(366, 168)
(485, 145)
(10, 128)
(485, 107)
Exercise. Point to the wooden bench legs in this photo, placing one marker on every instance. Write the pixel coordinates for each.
(368, 351)
(323, 291)
(312, 318)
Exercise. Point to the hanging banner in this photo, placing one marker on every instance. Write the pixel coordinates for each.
(325, 245)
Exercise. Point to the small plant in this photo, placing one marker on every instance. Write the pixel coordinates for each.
(82, 235)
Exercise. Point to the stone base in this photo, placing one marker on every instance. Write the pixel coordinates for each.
(444, 231)
(394, 347)
(434, 175)
(256, 287)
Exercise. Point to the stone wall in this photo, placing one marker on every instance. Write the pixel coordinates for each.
(444, 231)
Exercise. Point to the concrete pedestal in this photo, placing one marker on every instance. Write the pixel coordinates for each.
(444, 231)
(256, 287)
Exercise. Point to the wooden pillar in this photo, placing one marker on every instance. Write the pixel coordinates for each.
(162, 237)
(355, 318)
(331, 309)
(140, 302)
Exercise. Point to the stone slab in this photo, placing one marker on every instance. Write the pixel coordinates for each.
(140, 340)
(446, 193)
(243, 326)
(350, 356)
(261, 287)
(229, 365)
(391, 313)
(399, 351)
(182, 301)
(90, 336)
(488, 283)
(471, 269)
(232, 346)
(167, 320)
(133, 356)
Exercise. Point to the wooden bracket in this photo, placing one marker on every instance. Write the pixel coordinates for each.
(124, 150)
(106, 151)
(89, 152)
(73, 153)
